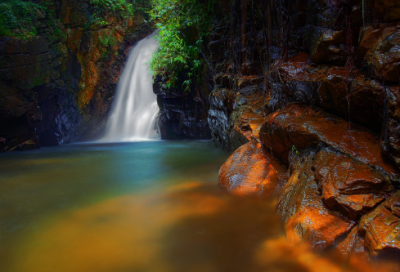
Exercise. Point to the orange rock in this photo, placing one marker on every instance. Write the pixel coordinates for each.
(251, 170)
(336, 90)
(369, 38)
(302, 126)
(349, 186)
(382, 228)
(302, 210)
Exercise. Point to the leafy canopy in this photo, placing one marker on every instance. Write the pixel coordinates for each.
(182, 26)
(17, 18)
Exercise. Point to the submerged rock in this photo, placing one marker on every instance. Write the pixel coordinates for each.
(252, 170)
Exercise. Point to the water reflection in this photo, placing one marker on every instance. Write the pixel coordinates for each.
(181, 222)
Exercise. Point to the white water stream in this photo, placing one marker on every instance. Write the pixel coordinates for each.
(134, 109)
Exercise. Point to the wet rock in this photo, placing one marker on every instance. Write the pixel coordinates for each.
(353, 245)
(391, 133)
(349, 186)
(369, 38)
(381, 228)
(27, 145)
(335, 89)
(302, 210)
(384, 57)
(329, 47)
(302, 126)
(251, 170)
(224, 80)
(234, 117)
(183, 114)
(221, 107)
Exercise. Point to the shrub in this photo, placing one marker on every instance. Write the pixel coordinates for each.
(17, 18)
(182, 25)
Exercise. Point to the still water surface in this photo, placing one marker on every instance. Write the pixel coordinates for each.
(140, 207)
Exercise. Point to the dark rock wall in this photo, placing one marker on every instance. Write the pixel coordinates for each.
(183, 114)
(330, 54)
(58, 87)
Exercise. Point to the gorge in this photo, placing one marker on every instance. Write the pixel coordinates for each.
(300, 97)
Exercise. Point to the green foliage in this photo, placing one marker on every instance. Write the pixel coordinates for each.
(107, 41)
(116, 7)
(102, 9)
(295, 150)
(17, 18)
(182, 25)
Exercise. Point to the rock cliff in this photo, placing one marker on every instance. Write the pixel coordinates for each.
(314, 90)
(57, 86)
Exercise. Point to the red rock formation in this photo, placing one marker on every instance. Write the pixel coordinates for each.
(382, 56)
(332, 117)
(302, 210)
(302, 126)
(251, 170)
(382, 228)
(349, 186)
(351, 96)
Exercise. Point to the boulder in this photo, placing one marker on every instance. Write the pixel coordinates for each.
(381, 228)
(383, 57)
(302, 210)
(236, 117)
(391, 133)
(329, 47)
(300, 126)
(252, 170)
(349, 186)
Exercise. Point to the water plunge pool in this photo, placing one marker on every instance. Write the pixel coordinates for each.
(142, 206)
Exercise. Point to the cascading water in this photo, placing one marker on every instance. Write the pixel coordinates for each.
(134, 109)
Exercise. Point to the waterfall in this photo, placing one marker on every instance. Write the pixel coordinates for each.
(134, 109)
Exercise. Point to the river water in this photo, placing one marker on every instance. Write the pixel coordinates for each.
(142, 206)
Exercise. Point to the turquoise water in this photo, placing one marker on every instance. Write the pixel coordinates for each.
(145, 206)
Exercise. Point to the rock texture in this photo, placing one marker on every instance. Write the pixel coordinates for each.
(302, 126)
(303, 211)
(252, 170)
(317, 86)
(382, 227)
(58, 86)
(183, 115)
(348, 185)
